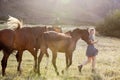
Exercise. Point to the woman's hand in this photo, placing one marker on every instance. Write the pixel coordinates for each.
(94, 42)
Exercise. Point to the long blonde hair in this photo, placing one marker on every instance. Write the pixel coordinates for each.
(93, 30)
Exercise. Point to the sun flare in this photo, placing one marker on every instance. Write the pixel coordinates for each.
(65, 1)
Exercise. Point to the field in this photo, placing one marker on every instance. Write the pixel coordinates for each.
(107, 64)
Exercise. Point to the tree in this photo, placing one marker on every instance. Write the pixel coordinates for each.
(111, 25)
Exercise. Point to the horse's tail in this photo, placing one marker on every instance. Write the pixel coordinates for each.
(20, 24)
(43, 45)
(14, 23)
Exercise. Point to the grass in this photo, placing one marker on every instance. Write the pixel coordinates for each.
(107, 65)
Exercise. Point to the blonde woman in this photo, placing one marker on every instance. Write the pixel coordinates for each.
(91, 51)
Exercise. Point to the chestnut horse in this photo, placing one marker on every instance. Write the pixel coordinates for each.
(37, 33)
(61, 42)
(22, 39)
(26, 38)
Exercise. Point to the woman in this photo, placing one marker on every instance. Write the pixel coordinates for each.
(91, 51)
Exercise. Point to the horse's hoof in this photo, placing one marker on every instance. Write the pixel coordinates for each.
(57, 73)
(46, 68)
(19, 73)
(39, 74)
(62, 71)
(93, 71)
(3, 74)
(35, 70)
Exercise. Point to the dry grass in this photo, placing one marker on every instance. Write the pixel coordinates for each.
(107, 65)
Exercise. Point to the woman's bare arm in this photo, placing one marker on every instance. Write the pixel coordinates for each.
(93, 42)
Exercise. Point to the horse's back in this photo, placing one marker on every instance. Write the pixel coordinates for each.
(56, 41)
(28, 37)
(56, 29)
(55, 36)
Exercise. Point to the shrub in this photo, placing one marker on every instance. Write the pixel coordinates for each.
(111, 25)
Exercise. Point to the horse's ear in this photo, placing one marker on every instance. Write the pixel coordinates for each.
(88, 29)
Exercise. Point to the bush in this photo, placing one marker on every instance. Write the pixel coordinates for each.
(111, 25)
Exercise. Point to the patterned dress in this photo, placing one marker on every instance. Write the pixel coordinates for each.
(91, 50)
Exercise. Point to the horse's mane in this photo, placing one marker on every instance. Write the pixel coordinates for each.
(14, 23)
(79, 30)
(75, 31)
(68, 33)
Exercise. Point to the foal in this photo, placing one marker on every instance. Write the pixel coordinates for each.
(61, 42)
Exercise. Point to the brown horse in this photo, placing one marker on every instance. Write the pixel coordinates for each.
(22, 39)
(37, 33)
(26, 38)
(60, 42)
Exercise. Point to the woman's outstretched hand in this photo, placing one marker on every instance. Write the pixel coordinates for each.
(94, 42)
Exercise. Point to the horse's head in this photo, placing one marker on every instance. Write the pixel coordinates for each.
(85, 36)
(81, 33)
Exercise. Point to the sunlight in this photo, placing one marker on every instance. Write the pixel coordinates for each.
(65, 1)
(61, 1)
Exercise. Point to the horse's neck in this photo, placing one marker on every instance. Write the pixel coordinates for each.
(75, 39)
(74, 42)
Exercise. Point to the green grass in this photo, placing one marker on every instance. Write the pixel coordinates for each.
(107, 65)
(3, 26)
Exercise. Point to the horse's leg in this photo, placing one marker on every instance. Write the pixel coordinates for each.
(47, 59)
(33, 52)
(67, 61)
(70, 60)
(4, 61)
(54, 56)
(19, 60)
(17, 56)
(39, 61)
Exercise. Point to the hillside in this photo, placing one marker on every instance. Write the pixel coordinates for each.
(64, 11)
